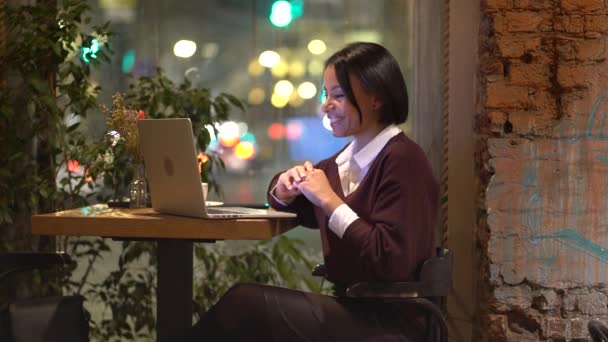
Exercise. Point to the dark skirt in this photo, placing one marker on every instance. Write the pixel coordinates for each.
(249, 312)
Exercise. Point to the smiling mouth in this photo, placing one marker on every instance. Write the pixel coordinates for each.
(334, 119)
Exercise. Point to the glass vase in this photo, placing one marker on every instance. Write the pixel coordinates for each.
(138, 189)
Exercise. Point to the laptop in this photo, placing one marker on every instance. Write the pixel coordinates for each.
(170, 158)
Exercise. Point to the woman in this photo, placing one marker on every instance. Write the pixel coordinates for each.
(375, 203)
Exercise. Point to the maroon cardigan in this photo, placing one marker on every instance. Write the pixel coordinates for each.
(397, 203)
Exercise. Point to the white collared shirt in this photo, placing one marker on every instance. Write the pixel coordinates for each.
(352, 170)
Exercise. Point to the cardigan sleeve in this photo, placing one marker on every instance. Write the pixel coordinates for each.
(399, 228)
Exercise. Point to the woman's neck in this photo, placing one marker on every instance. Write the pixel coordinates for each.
(363, 138)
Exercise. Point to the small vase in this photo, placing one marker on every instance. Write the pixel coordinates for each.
(138, 189)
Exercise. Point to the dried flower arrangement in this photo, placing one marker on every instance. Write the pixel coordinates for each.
(122, 119)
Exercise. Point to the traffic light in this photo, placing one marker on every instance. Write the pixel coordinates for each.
(281, 13)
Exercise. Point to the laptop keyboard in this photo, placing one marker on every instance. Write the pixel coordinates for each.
(236, 211)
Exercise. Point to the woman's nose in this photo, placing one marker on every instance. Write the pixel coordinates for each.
(325, 106)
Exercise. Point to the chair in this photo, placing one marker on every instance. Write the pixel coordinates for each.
(598, 331)
(429, 293)
(40, 319)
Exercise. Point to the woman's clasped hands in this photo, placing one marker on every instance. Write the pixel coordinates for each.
(312, 183)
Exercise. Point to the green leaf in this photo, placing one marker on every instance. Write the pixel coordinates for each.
(235, 101)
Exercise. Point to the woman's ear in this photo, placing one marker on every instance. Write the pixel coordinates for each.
(376, 104)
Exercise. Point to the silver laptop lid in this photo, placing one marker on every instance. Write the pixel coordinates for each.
(167, 146)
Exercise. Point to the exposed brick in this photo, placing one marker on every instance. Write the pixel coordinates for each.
(578, 328)
(579, 75)
(500, 95)
(497, 328)
(510, 274)
(497, 120)
(546, 300)
(569, 302)
(524, 325)
(516, 47)
(576, 102)
(590, 49)
(569, 23)
(495, 275)
(593, 303)
(565, 50)
(555, 328)
(527, 21)
(530, 75)
(564, 328)
(542, 39)
(544, 102)
(574, 75)
(596, 23)
(499, 22)
(493, 70)
(582, 5)
(514, 296)
(533, 4)
(530, 122)
(593, 35)
(498, 4)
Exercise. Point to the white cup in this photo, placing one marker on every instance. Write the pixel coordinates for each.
(205, 190)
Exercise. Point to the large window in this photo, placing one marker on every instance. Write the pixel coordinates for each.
(232, 46)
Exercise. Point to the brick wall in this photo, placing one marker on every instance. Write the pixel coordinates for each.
(542, 158)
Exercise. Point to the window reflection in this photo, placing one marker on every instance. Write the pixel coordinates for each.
(271, 59)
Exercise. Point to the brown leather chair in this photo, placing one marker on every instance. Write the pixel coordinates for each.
(429, 293)
(60, 318)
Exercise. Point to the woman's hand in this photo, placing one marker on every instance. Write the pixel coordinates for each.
(287, 189)
(317, 189)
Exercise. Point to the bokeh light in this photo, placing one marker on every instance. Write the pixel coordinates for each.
(249, 137)
(244, 150)
(229, 133)
(280, 69)
(315, 67)
(255, 69)
(280, 14)
(184, 48)
(128, 61)
(278, 101)
(307, 90)
(295, 100)
(326, 123)
(256, 96)
(276, 131)
(210, 50)
(283, 88)
(317, 46)
(269, 58)
(297, 69)
(293, 131)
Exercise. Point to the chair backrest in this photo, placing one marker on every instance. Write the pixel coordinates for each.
(436, 274)
(40, 319)
(434, 281)
(429, 293)
(598, 331)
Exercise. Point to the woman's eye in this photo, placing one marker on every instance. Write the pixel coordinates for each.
(338, 96)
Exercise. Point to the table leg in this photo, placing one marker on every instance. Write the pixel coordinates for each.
(174, 289)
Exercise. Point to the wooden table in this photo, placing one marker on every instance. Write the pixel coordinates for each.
(174, 235)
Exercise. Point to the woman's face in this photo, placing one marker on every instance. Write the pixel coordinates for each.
(342, 114)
